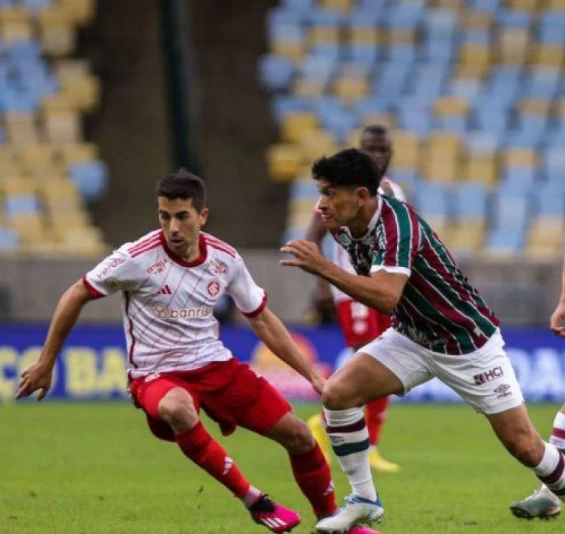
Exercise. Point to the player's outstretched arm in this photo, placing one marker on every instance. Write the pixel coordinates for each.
(382, 291)
(270, 329)
(557, 321)
(38, 375)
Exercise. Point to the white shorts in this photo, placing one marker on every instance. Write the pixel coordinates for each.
(484, 378)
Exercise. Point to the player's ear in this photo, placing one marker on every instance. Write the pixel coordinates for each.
(203, 216)
(363, 194)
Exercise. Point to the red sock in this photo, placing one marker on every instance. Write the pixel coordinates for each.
(375, 415)
(313, 476)
(207, 453)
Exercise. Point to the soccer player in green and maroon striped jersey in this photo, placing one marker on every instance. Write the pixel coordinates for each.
(441, 328)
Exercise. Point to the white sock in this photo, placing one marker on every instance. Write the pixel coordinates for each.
(350, 441)
(551, 470)
(251, 497)
(558, 433)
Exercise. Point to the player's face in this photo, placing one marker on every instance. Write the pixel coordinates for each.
(379, 147)
(181, 223)
(339, 206)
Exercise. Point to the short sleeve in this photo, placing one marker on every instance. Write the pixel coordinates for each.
(117, 272)
(249, 298)
(401, 232)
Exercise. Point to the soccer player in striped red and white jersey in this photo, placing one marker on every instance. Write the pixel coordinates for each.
(441, 328)
(170, 280)
(360, 324)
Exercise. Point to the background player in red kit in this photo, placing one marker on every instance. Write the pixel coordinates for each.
(359, 323)
(170, 280)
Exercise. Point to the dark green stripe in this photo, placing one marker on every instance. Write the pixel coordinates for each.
(350, 448)
(405, 230)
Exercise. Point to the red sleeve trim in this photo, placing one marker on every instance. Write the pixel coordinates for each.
(92, 291)
(261, 307)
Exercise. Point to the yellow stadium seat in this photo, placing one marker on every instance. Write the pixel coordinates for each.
(317, 143)
(407, 150)
(482, 169)
(16, 31)
(442, 158)
(294, 125)
(475, 54)
(70, 153)
(339, 5)
(18, 185)
(513, 46)
(452, 5)
(58, 36)
(545, 238)
(447, 106)
(8, 164)
(478, 20)
(21, 128)
(350, 88)
(284, 162)
(396, 37)
(532, 106)
(14, 13)
(323, 35)
(364, 35)
(471, 71)
(80, 11)
(299, 218)
(547, 55)
(531, 6)
(62, 126)
(83, 91)
(382, 119)
(293, 50)
(555, 5)
(308, 88)
(39, 159)
(465, 237)
(72, 68)
(520, 157)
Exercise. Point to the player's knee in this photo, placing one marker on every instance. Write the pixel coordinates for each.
(336, 396)
(177, 409)
(299, 439)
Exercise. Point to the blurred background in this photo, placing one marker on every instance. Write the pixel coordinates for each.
(101, 98)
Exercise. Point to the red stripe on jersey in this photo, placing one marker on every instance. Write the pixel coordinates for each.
(213, 239)
(147, 248)
(261, 307)
(126, 310)
(92, 291)
(218, 247)
(558, 433)
(143, 243)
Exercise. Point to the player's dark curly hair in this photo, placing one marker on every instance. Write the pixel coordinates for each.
(348, 168)
(183, 185)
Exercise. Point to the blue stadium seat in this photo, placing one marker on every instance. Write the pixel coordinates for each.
(325, 17)
(37, 5)
(363, 17)
(408, 179)
(508, 238)
(476, 36)
(370, 105)
(405, 15)
(402, 54)
(550, 200)
(304, 190)
(279, 16)
(284, 104)
(513, 18)
(363, 53)
(468, 89)
(21, 204)
(511, 209)
(482, 141)
(518, 180)
(470, 201)
(298, 5)
(8, 239)
(554, 164)
(390, 79)
(495, 120)
(417, 120)
(326, 104)
(91, 178)
(451, 123)
(319, 67)
(275, 72)
(287, 32)
(485, 5)
(542, 83)
(432, 200)
(339, 122)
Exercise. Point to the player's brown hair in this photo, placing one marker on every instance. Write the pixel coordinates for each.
(184, 185)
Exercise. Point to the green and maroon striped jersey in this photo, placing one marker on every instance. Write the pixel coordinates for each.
(438, 309)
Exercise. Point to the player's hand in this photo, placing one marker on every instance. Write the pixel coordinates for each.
(557, 321)
(36, 377)
(318, 383)
(306, 254)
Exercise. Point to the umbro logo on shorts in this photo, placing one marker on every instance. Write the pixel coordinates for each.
(503, 391)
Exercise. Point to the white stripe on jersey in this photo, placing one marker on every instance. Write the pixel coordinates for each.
(168, 303)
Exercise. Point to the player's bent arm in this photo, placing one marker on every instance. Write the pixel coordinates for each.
(381, 291)
(67, 312)
(316, 230)
(557, 320)
(270, 329)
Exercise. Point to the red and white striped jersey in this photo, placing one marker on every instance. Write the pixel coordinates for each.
(168, 303)
(340, 256)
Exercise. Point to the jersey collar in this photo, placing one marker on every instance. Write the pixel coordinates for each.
(198, 261)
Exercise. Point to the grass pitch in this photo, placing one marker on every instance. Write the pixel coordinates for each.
(94, 469)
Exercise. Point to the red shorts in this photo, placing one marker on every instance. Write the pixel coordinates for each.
(229, 392)
(359, 323)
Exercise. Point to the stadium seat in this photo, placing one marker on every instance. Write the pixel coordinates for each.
(284, 161)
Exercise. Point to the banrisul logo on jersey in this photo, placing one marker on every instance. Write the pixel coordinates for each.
(174, 314)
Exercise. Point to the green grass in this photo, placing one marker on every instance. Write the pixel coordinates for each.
(89, 469)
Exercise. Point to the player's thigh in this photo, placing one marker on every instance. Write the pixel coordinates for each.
(485, 378)
(249, 401)
(390, 364)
